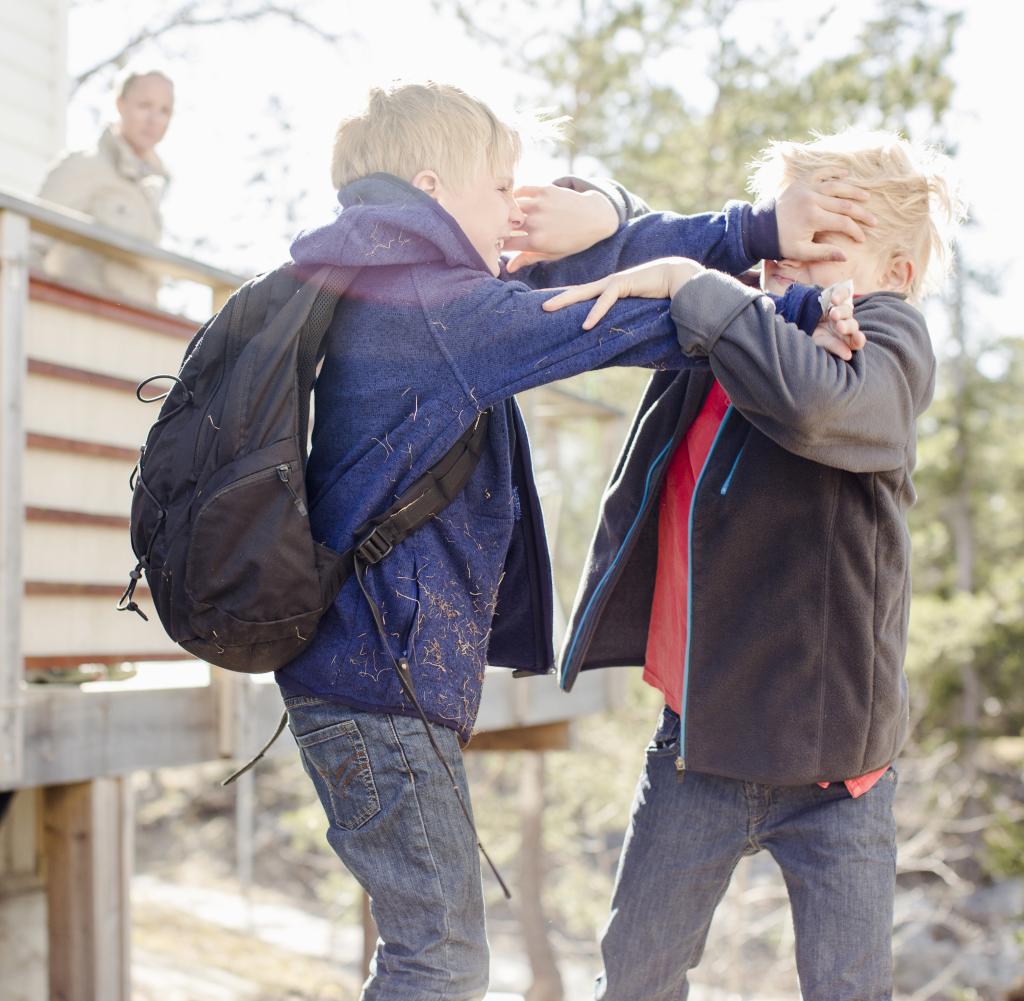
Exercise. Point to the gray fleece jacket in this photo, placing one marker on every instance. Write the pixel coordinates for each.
(799, 552)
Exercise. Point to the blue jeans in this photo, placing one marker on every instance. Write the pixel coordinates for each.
(686, 834)
(395, 823)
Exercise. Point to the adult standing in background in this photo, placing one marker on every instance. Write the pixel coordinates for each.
(120, 183)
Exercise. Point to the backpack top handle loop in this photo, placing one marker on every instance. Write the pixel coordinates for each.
(186, 399)
(163, 396)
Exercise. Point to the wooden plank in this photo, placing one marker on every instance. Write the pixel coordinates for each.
(59, 557)
(84, 482)
(29, 20)
(70, 373)
(25, 90)
(64, 559)
(83, 230)
(58, 625)
(21, 168)
(82, 303)
(75, 446)
(61, 516)
(93, 413)
(513, 702)
(240, 731)
(34, 131)
(546, 737)
(14, 247)
(41, 662)
(20, 858)
(58, 553)
(22, 899)
(77, 735)
(88, 843)
(78, 589)
(370, 933)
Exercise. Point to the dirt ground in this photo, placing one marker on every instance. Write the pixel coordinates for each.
(180, 957)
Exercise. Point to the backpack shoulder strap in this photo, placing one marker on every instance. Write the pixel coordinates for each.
(332, 284)
(428, 496)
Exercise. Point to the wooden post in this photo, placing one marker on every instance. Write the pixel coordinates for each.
(547, 981)
(219, 294)
(232, 693)
(369, 933)
(89, 849)
(22, 899)
(14, 246)
(245, 823)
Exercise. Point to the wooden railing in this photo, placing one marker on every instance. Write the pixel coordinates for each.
(70, 427)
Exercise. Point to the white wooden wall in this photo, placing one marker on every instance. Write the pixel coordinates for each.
(83, 428)
(33, 89)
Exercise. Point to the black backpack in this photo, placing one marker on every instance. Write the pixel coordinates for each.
(219, 521)
(220, 524)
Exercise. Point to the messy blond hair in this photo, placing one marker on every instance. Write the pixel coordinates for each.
(411, 127)
(913, 193)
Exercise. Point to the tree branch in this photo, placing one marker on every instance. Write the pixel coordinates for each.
(187, 16)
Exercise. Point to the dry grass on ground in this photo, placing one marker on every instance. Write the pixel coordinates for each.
(179, 957)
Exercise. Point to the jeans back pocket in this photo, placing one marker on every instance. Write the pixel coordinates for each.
(336, 760)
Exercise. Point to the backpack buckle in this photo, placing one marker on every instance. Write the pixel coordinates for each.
(374, 547)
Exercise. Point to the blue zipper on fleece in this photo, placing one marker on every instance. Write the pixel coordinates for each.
(681, 760)
(604, 579)
(736, 462)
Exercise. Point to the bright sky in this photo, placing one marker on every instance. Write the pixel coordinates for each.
(225, 130)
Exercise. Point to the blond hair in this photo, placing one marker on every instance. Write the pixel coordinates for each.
(912, 192)
(407, 128)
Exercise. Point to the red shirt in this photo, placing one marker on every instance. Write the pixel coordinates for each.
(666, 636)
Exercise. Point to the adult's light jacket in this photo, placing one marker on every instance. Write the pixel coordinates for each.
(120, 189)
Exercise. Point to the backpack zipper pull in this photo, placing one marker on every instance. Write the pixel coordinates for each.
(680, 768)
(284, 475)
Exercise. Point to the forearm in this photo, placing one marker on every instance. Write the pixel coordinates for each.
(856, 415)
(522, 345)
(627, 205)
(715, 239)
(760, 226)
(801, 306)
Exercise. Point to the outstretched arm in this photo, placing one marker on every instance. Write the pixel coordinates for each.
(857, 415)
(855, 411)
(561, 221)
(500, 339)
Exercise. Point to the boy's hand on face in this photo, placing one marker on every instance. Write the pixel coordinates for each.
(659, 279)
(559, 222)
(839, 332)
(826, 204)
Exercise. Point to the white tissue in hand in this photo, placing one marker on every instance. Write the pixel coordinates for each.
(825, 299)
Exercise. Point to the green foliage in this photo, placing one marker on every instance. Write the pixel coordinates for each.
(970, 455)
(622, 69)
(1004, 848)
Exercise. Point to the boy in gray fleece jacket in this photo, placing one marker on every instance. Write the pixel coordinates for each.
(752, 553)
